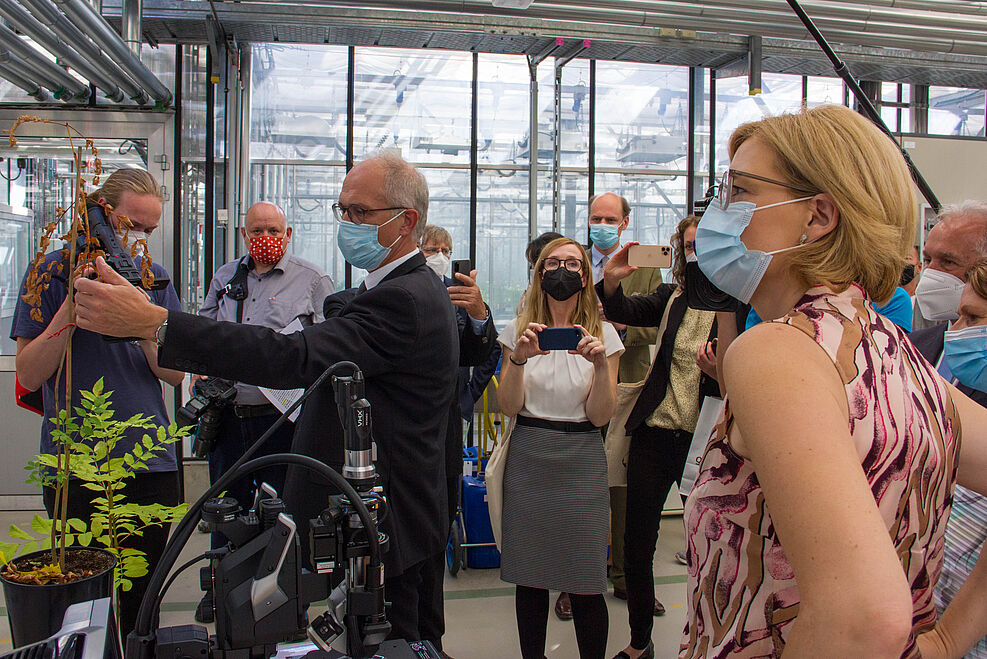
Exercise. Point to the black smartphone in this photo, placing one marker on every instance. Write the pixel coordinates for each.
(559, 338)
(462, 266)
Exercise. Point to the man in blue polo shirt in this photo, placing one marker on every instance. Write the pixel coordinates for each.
(129, 369)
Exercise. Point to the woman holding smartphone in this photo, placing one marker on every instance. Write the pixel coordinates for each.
(556, 502)
(662, 420)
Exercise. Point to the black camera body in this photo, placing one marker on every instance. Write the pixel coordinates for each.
(702, 294)
(260, 589)
(211, 398)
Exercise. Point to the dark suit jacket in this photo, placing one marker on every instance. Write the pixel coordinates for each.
(402, 334)
(929, 342)
(647, 310)
(474, 349)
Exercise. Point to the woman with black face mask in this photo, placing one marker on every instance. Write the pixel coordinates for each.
(556, 500)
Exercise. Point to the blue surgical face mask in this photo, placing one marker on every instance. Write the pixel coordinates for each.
(604, 236)
(722, 255)
(965, 352)
(359, 245)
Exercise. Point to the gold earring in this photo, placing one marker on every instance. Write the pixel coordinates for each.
(803, 239)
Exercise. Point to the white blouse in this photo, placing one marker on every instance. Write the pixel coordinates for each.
(556, 385)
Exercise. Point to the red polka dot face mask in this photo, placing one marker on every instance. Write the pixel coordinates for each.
(266, 249)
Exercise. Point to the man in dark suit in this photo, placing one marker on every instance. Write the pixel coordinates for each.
(477, 337)
(399, 328)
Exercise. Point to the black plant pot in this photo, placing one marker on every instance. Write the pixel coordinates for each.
(35, 612)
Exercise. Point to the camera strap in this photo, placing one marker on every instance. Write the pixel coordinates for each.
(236, 287)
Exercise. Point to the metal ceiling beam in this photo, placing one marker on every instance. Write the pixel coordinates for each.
(85, 17)
(518, 35)
(950, 6)
(21, 19)
(708, 16)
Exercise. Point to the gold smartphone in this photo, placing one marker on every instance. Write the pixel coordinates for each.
(650, 256)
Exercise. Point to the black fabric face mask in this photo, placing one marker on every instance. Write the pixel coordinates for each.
(907, 275)
(561, 284)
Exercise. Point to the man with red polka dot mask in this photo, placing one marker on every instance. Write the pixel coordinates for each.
(271, 288)
(266, 234)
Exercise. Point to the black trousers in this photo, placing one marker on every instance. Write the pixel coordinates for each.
(431, 598)
(403, 591)
(151, 487)
(655, 461)
(236, 435)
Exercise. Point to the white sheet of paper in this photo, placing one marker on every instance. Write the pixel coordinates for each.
(709, 413)
(285, 398)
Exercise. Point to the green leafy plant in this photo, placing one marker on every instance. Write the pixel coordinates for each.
(87, 442)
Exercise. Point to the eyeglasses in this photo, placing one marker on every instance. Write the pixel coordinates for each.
(358, 214)
(430, 251)
(572, 265)
(725, 190)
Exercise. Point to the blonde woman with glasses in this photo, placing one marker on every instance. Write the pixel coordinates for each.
(816, 524)
(556, 501)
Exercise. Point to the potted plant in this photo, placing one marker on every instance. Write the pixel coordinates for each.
(60, 568)
(63, 553)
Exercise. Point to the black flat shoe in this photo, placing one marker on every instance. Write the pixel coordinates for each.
(647, 653)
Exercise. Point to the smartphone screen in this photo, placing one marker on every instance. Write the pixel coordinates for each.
(650, 256)
(559, 338)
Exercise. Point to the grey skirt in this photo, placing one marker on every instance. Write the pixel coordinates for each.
(556, 511)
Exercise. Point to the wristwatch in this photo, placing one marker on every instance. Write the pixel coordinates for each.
(159, 334)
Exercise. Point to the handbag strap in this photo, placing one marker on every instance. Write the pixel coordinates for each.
(661, 329)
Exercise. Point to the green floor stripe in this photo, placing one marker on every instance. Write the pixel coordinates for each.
(476, 593)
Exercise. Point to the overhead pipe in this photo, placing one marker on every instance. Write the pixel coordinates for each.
(700, 18)
(9, 71)
(130, 25)
(83, 15)
(44, 70)
(57, 22)
(21, 19)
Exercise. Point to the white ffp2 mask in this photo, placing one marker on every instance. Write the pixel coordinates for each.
(938, 294)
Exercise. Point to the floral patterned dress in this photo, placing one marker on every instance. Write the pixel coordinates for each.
(742, 595)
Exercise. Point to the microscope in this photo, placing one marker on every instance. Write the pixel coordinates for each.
(261, 588)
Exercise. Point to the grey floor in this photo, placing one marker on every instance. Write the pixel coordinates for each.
(479, 606)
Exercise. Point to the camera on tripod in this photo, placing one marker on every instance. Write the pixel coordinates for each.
(211, 398)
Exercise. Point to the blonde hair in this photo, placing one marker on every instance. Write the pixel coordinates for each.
(831, 149)
(976, 276)
(535, 308)
(128, 179)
